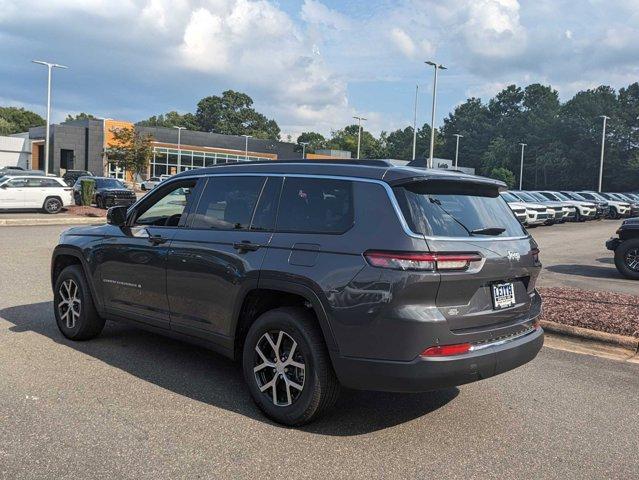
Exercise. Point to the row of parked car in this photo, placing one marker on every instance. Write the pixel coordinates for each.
(544, 207)
(33, 189)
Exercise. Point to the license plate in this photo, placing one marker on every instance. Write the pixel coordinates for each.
(503, 295)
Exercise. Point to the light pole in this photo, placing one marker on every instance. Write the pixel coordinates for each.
(49, 66)
(415, 122)
(432, 119)
(521, 166)
(457, 147)
(246, 137)
(603, 143)
(179, 165)
(303, 144)
(359, 132)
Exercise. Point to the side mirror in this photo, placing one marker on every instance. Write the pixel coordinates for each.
(116, 216)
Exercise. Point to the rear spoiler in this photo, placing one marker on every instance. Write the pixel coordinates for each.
(459, 184)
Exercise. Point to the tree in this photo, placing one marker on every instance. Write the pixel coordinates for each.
(171, 119)
(346, 139)
(314, 141)
(503, 174)
(19, 119)
(233, 114)
(130, 150)
(6, 128)
(80, 116)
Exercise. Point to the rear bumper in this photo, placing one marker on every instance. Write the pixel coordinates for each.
(424, 374)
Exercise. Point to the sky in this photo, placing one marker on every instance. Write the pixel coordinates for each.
(309, 64)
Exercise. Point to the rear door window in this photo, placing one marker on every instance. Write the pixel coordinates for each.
(456, 213)
(316, 205)
(228, 202)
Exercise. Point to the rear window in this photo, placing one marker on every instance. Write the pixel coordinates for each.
(456, 213)
(315, 205)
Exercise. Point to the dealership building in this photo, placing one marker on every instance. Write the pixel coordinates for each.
(81, 144)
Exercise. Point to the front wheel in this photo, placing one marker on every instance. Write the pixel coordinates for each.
(73, 306)
(627, 258)
(287, 366)
(99, 202)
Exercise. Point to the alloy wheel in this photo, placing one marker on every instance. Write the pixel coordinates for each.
(632, 259)
(70, 305)
(279, 368)
(52, 205)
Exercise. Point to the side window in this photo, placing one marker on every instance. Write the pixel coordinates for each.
(316, 205)
(50, 183)
(266, 210)
(167, 209)
(227, 203)
(17, 183)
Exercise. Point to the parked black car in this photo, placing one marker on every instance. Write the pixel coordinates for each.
(315, 275)
(71, 176)
(108, 192)
(626, 248)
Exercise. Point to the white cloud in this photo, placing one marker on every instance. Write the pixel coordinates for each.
(316, 13)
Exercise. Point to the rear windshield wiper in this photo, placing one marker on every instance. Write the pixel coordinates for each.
(488, 231)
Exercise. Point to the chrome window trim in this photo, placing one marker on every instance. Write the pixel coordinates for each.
(382, 183)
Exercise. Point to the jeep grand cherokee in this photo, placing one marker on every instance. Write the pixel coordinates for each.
(315, 275)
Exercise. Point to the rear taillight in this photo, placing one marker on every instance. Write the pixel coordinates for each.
(446, 350)
(535, 254)
(421, 261)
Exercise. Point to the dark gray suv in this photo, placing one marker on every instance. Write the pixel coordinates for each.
(315, 275)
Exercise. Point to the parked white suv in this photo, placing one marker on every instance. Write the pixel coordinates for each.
(30, 192)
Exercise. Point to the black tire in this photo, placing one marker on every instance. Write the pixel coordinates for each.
(614, 214)
(52, 205)
(627, 250)
(87, 324)
(320, 387)
(143, 188)
(99, 202)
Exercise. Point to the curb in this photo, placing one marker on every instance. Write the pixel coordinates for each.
(24, 222)
(626, 342)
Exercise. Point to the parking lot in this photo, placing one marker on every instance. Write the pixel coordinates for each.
(131, 404)
(574, 255)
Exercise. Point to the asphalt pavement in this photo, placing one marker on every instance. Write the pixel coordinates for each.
(132, 404)
(574, 255)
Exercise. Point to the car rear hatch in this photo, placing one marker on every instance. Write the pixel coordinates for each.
(494, 294)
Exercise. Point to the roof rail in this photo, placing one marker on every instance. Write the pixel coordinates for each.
(365, 162)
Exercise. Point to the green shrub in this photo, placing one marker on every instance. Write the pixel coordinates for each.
(87, 189)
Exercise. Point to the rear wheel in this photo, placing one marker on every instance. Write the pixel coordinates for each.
(627, 258)
(287, 366)
(52, 205)
(75, 312)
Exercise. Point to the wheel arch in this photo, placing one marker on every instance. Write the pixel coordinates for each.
(64, 256)
(272, 294)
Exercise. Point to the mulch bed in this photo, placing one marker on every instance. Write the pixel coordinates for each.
(85, 211)
(603, 311)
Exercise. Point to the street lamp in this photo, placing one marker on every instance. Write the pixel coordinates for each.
(179, 165)
(49, 66)
(603, 143)
(246, 137)
(303, 144)
(521, 166)
(359, 132)
(457, 147)
(432, 120)
(415, 122)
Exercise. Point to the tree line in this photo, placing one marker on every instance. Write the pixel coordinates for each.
(563, 139)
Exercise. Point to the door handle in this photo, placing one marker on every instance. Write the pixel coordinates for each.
(246, 246)
(157, 239)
